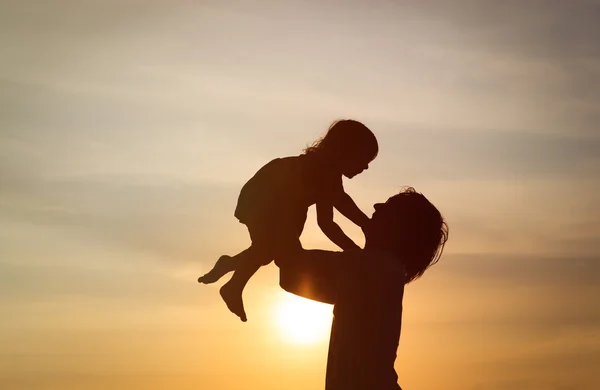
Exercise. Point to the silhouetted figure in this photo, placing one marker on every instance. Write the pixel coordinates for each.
(273, 204)
(406, 236)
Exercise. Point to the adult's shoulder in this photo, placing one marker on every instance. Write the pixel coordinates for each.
(375, 265)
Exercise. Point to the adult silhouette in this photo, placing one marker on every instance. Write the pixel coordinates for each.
(406, 236)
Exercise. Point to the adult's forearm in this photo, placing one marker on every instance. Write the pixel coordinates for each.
(312, 274)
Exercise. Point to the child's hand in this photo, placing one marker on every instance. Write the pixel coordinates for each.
(352, 247)
(365, 227)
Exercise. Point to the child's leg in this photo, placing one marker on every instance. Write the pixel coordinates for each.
(231, 292)
(227, 264)
(268, 239)
(224, 265)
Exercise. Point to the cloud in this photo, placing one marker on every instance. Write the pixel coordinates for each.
(524, 269)
(449, 153)
(169, 218)
(29, 284)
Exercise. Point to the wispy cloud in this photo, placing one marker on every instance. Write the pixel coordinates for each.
(127, 129)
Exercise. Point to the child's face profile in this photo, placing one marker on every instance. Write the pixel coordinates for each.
(354, 166)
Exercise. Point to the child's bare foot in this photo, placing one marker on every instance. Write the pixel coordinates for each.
(232, 296)
(221, 267)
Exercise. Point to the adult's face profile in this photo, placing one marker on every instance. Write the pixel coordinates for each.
(385, 219)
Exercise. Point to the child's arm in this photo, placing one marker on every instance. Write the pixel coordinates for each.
(331, 229)
(345, 205)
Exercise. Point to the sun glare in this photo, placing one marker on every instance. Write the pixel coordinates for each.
(303, 321)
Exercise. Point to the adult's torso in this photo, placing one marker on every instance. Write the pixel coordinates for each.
(366, 327)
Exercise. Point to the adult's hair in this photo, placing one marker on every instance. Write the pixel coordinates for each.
(416, 230)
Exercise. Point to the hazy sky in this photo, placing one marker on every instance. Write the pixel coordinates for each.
(127, 129)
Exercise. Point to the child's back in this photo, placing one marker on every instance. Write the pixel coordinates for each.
(286, 188)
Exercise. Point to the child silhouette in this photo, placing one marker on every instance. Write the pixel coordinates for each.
(273, 204)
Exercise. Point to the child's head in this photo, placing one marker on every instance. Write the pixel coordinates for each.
(349, 145)
(412, 228)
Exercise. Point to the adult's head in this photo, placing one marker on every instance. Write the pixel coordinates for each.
(410, 227)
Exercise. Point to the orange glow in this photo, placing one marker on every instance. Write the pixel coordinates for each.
(302, 321)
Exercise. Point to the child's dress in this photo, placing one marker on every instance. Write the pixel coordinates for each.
(274, 203)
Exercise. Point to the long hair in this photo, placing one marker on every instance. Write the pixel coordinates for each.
(419, 231)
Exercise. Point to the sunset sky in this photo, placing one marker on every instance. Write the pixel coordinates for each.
(127, 129)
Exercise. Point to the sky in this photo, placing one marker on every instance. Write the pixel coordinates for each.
(127, 129)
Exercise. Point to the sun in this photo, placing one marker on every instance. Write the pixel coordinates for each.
(303, 321)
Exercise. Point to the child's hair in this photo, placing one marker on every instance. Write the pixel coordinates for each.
(347, 137)
(419, 230)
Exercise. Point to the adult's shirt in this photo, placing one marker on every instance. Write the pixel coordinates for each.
(367, 320)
